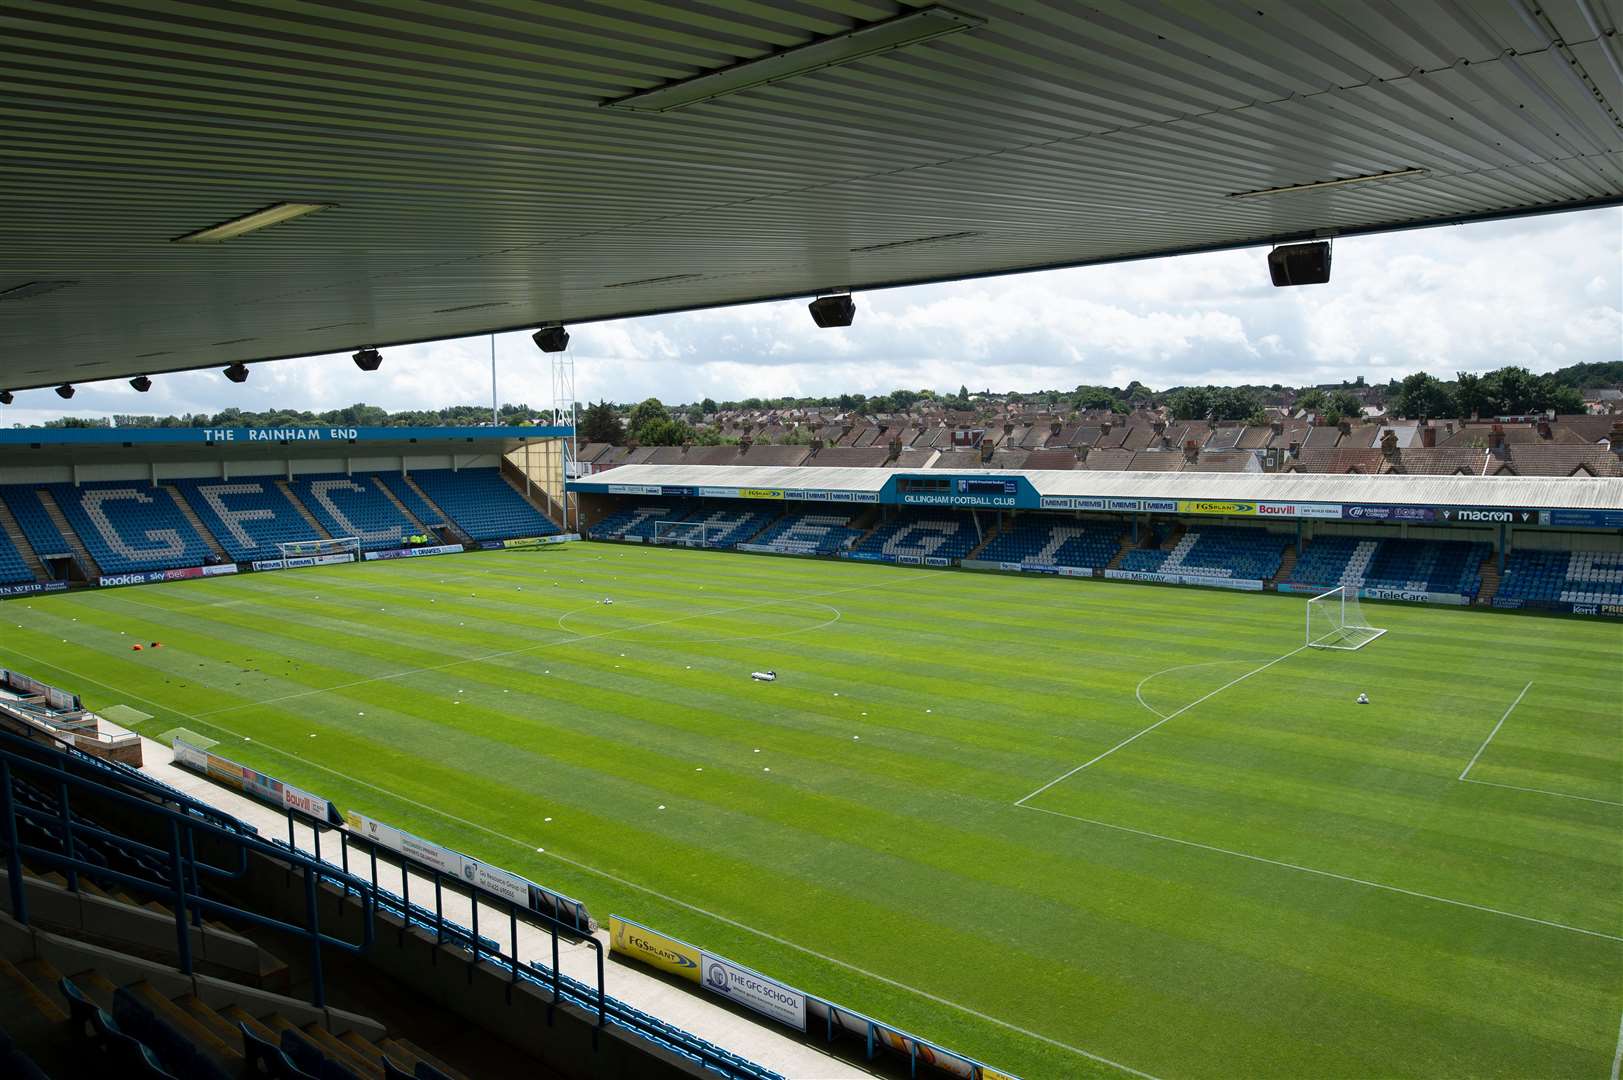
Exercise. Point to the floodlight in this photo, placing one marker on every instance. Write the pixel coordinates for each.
(141, 383)
(368, 359)
(237, 372)
(6, 398)
(827, 311)
(65, 391)
(551, 338)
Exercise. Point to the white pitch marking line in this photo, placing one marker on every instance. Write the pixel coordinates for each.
(1542, 791)
(1145, 731)
(1496, 728)
(1617, 1058)
(1330, 874)
(965, 1009)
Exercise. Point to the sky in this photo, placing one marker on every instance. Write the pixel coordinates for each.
(1541, 292)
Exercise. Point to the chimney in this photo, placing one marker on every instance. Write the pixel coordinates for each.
(1008, 427)
(1428, 436)
(1345, 426)
(1277, 427)
(1295, 448)
(1191, 450)
(1053, 428)
(1544, 429)
(816, 445)
(1104, 427)
(1082, 454)
(845, 429)
(1166, 442)
(1617, 439)
(744, 443)
(895, 449)
(1389, 444)
(1158, 426)
(1496, 439)
(986, 452)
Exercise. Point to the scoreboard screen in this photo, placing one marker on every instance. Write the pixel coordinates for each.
(986, 487)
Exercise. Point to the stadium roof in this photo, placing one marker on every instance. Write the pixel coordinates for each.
(494, 166)
(1589, 493)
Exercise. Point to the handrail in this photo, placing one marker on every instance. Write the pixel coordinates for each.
(179, 862)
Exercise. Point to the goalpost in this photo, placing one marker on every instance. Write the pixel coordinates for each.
(319, 549)
(1335, 621)
(689, 533)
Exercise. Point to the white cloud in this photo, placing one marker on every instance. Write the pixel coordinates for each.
(1543, 292)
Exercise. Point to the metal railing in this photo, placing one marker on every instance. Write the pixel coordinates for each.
(178, 871)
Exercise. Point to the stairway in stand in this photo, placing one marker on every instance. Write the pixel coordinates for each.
(411, 518)
(1490, 581)
(15, 533)
(197, 523)
(1286, 565)
(304, 511)
(60, 520)
(456, 530)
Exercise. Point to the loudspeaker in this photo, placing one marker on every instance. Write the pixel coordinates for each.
(551, 338)
(368, 359)
(827, 311)
(1300, 264)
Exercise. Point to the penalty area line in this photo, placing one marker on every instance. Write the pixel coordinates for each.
(1330, 874)
(1145, 731)
(1495, 731)
(647, 891)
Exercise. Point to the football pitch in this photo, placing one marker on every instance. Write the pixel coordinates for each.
(1071, 828)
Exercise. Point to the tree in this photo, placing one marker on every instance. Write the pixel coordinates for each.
(1471, 396)
(1346, 403)
(598, 423)
(709, 406)
(1511, 390)
(1097, 397)
(1234, 404)
(1421, 395)
(644, 413)
(1191, 403)
(1311, 400)
(664, 431)
(1560, 397)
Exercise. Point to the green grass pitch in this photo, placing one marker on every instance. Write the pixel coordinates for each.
(1273, 882)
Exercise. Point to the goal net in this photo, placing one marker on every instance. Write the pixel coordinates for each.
(686, 533)
(333, 550)
(1335, 621)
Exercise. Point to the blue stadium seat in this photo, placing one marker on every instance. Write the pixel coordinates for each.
(130, 525)
(249, 517)
(42, 534)
(12, 567)
(1440, 566)
(1048, 541)
(637, 522)
(1573, 577)
(414, 503)
(716, 524)
(817, 533)
(482, 504)
(353, 506)
(1224, 551)
(923, 535)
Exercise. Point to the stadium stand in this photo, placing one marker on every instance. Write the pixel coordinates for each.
(716, 525)
(42, 534)
(1223, 551)
(1574, 577)
(922, 535)
(146, 1013)
(353, 506)
(1437, 566)
(1044, 541)
(637, 522)
(479, 501)
(12, 567)
(129, 526)
(810, 534)
(407, 491)
(248, 517)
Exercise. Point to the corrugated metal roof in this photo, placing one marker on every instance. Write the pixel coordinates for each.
(1592, 493)
(478, 183)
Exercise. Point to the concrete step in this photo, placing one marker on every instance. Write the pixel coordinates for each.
(304, 511)
(196, 523)
(456, 529)
(416, 525)
(60, 520)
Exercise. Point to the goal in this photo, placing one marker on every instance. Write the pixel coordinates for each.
(686, 533)
(326, 550)
(1335, 621)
